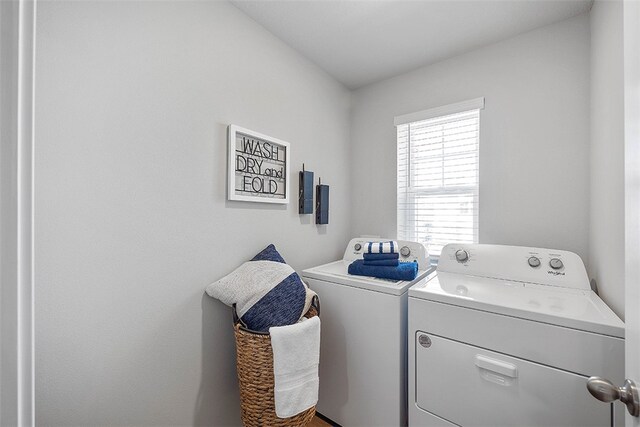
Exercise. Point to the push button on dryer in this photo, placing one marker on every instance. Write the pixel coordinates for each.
(424, 341)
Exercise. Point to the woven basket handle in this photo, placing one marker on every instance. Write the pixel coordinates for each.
(315, 303)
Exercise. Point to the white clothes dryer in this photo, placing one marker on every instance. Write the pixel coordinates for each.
(363, 356)
(508, 336)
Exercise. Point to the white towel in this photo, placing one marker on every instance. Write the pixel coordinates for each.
(308, 300)
(388, 247)
(296, 356)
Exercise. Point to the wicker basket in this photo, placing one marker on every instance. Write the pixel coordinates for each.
(255, 374)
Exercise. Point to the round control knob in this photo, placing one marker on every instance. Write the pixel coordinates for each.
(534, 262)
(357, 246)
(405, 251)
(556, 264)
(462, 255)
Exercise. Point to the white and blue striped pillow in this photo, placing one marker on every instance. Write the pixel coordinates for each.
(266, 291)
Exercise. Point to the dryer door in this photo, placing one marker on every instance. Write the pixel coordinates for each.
(470, 386)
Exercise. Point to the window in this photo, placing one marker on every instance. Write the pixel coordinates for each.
(438, 175)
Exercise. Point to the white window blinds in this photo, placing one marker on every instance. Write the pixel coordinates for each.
(438, 178)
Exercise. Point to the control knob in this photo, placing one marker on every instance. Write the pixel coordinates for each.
(405, 251)
(534, 262)
(556, 264)
(462, 255)
(357, 247)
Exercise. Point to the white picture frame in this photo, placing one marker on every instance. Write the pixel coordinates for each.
(258, 167)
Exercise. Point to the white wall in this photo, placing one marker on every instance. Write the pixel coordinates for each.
(534, 143)
(606, 231)
(133, 102)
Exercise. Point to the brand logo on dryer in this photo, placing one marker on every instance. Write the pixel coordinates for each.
(555, 273)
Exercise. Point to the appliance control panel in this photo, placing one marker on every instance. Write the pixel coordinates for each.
(517, 263)
(409, 251)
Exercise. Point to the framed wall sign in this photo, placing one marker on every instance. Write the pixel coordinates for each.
(258, 167)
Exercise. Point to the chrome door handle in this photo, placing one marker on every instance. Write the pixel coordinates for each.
(606, 391)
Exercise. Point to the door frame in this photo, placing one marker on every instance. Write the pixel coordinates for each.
(17, 47)
(631, 40)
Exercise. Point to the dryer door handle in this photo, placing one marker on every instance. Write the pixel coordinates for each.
(497, 366)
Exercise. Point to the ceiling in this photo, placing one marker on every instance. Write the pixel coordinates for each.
(362, 42)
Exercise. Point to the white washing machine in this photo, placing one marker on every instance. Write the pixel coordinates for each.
(507, 336)
(363, 356)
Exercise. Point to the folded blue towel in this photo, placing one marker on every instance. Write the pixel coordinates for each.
(381, 247)
(383, 262)
(379, 257)
(404, 271)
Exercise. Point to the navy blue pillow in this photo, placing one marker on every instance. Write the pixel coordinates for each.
(270, 253)
(283, 304)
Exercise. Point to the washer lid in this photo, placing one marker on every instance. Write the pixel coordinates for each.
(569, 307)
(336, 272)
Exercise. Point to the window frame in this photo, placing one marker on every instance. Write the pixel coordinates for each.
(413, 192)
